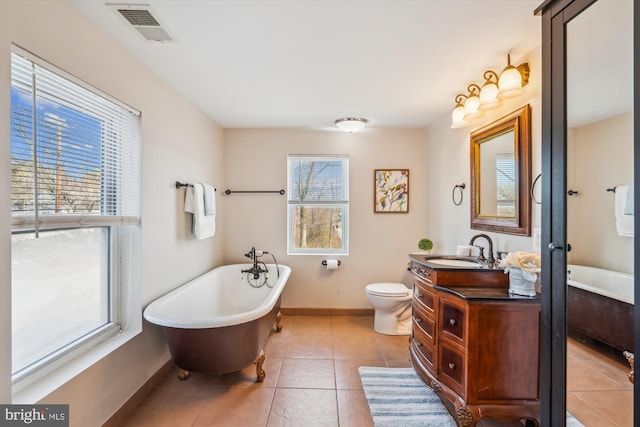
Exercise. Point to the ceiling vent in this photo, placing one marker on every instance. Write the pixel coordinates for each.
(143, 21)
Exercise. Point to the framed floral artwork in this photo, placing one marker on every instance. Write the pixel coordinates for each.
(391, 191)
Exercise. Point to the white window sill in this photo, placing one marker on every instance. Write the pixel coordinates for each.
(40, 384)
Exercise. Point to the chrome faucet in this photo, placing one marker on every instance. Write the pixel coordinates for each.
(491, 261)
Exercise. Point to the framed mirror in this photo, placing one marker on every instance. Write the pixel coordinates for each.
(501, 175)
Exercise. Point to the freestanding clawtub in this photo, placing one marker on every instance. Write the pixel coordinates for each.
(220, 321)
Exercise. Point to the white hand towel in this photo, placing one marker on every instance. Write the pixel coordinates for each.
(628, 207)
(188, 200)
(209, 199)
(624, 223)
(202, 226)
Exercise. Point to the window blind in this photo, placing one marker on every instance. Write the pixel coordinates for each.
(318, 180)
(75, 152)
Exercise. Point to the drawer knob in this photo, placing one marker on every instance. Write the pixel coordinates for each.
(452, 322)
(418, 343)
(452, 366)
(417, 319)
(419, 295)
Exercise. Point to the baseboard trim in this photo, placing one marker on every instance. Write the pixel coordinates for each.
(139, 396)
(308, 311)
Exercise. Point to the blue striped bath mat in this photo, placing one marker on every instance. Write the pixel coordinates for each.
(397, 397)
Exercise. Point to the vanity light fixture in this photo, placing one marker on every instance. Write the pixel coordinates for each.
(351, 124)
(509, 84)
(457, 117)
(513, 79)
(473, 103)
(489, 92)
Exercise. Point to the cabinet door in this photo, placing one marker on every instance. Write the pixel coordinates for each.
(452, 367)
(452, 319)
(503, 352)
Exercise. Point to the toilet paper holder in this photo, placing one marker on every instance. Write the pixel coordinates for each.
(324, 262)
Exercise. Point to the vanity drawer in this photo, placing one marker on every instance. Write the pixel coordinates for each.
(424, 322)
(451, 367)
(425, 296)
(452, 320)
(424, 349)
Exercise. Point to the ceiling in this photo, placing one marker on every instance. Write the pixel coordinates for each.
(305, 63)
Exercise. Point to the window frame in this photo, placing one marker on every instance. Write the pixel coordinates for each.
(292, 204)
(122, 256)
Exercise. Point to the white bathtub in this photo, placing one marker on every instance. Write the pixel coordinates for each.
(220, 297)
(219, 322)
(608, 283)
(600, 305)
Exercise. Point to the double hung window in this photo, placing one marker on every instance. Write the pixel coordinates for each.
(75, 208)
(318, 215)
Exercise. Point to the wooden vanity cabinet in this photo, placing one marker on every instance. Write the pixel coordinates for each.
(477, 347)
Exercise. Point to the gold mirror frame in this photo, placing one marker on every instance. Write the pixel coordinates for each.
(520, 224)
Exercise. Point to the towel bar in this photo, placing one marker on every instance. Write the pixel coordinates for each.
(181, 184)
(281, 192)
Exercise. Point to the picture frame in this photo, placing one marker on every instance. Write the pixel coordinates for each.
(391, 190)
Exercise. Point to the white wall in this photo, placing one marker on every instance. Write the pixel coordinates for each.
(179, 143)
(448, 163)
(256, 159)
(600, 156)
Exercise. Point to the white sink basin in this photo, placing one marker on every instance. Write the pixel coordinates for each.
(454, 262)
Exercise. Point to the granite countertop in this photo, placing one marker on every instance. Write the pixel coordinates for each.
(485, 293)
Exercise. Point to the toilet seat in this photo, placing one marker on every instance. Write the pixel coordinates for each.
(388, 289)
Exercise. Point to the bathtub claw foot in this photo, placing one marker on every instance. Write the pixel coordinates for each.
(279, 322)
(630, 358)
(260, 374)
(183, 375)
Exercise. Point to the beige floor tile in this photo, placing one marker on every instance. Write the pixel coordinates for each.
(615, 406)
(584, 413)
(347, 376)
(235, 407)
(353, 409)
(307, 373)
(309, 347)
(581, 376)
(276, 344)
(352, 326)
(311, 326)
(393, 347)
(399, 363)
(169, 406)
(356, 348)
(304, 407)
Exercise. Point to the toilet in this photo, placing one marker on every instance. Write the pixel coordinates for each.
(392, 304)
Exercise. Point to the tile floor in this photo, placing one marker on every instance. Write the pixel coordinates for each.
(598, 391)
(312, 380)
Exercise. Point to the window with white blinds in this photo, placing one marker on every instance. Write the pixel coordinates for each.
(75, 208)
(75, 153)
(318, 204)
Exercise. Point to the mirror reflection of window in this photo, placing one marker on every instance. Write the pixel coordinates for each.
(505, 184)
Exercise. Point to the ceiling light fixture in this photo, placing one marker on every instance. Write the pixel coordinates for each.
(351, 124)
(509, 84)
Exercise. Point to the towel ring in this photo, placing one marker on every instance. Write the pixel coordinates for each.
(453, 193)
(533, 186)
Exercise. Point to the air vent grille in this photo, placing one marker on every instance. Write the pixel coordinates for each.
(139, 17)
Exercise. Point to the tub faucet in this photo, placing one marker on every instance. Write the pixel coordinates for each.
(491, 261)
(253, 255)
